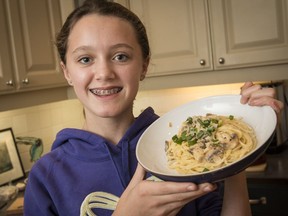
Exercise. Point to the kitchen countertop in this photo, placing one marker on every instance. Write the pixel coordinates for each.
(276, 170)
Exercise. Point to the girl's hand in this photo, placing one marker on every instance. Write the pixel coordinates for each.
(255, 95)
(144, 197)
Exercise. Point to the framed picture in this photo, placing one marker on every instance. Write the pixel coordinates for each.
(10, 164)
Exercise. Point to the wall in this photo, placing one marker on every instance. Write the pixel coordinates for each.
(43, 121)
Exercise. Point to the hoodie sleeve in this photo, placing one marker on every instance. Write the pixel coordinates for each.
(36, 198)
(211, 204)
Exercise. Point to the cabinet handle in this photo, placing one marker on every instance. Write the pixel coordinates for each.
(221, 60)
(25, 81)
(202, 62)
(260, 201)
(9, 83)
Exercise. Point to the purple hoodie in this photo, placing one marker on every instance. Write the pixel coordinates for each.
(85, 171)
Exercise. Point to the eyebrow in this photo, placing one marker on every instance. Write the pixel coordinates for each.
(81, 48)
(87, 48)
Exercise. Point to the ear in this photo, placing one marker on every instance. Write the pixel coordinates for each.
(66, 73)
(144, 69)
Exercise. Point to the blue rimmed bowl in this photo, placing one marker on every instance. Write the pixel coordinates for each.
(150, 149)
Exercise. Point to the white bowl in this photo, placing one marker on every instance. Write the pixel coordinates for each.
(150, 149)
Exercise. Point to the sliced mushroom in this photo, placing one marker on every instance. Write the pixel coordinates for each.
(231, 140)
(214, 155)
(198, 153)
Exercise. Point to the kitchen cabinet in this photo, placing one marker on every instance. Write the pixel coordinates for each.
(179, 35)
(28, 57)
(6, 61)
(248, 33)
(268, 199)
(214, 41)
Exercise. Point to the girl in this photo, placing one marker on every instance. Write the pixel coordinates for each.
(104, 53)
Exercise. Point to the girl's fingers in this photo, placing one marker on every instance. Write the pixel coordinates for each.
(173, 195)
(178, 200)
(267, 100)
(171, 188)
(262, 92)
(255, 95)
(246, 85)
(247, 90)
(165, 188)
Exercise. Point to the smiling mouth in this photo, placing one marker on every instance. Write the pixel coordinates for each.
(105, 92)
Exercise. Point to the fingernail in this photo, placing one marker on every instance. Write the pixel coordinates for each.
(192, 187)
(207, 189)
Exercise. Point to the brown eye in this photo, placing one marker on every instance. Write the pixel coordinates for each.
(85, 60)
(121, 58)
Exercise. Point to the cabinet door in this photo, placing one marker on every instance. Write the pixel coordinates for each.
(178, 34)
(34, 24)
(268, 198)
(6, 64)
(249, 33)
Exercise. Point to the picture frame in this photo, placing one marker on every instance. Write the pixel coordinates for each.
(11, 167)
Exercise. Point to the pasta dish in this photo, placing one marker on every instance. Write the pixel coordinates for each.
(204, 143)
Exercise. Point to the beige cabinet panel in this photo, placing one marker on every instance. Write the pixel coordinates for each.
(6, 63)
(178, 33)
(34, 25)
(249, 33)
(30, 27)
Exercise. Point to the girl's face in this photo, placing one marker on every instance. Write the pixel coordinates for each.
(104, 64)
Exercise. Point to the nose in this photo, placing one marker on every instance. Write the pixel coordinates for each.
(103, 70)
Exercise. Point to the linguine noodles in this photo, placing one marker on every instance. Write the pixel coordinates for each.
(205, 143)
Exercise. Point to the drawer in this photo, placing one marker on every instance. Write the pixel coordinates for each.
(268, 199)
